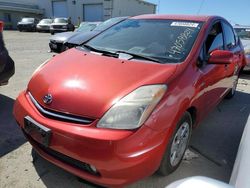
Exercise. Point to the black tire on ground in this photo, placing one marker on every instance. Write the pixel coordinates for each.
(166, 167)
(232, 91)
(34, 155)
(52, 33)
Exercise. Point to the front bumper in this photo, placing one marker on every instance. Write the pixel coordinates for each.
(43, 28)
(121, 157)
(26, 27)
(57, 30)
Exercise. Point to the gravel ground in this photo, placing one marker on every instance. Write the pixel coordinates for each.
(212, 150)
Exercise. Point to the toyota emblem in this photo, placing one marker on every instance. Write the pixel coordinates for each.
(47, 99)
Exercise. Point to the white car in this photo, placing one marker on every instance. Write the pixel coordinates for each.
(244, 33)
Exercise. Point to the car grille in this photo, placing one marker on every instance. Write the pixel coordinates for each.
(44, 27)
(59, 115)
(57, 26)
(61, 157)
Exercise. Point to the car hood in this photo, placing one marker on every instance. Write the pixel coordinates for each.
(86, 84)
(59, 24)
(82, 37)
(25, 23)
(65, 36)
(44, 24)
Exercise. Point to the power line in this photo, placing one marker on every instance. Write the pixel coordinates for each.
(201, 5)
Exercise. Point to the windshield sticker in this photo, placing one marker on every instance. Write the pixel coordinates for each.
(185, 24)
(180, 42)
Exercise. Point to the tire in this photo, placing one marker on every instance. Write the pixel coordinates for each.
(232, 91)
(34, 155)
(169, 161)
(52, 33)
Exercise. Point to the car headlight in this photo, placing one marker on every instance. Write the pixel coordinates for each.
(134, 109)
(64, 27)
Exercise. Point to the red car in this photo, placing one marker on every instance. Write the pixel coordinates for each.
(124, 104)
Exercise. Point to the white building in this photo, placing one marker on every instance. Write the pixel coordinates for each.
(94, 10)
(11, 11)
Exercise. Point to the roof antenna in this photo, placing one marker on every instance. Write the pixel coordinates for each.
(201, 5)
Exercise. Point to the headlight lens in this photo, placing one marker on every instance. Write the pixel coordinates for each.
(134, 109)
(64, 26)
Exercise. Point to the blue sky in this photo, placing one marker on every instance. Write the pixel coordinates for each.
(235, 11)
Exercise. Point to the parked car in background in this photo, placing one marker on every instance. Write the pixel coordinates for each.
(128, 99)
(44, 25)
(80, 39)
(239, 177)
(61, 25)
(57, 41)
(27, 24)
(244, 34)
(7, 67)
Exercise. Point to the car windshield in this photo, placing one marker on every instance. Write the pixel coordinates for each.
(85, 27)
(28, 20)
(46, 21)
(243, 33)
(60, 20)
(168, 41)
(108, 23)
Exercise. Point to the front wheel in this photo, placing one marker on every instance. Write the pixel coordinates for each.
(177, 146)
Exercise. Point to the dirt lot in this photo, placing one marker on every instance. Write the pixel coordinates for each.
(212, 150)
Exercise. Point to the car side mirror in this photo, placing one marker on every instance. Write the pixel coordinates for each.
(220, 57)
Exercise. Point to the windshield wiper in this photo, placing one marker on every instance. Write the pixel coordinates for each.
(105, 52)
(139, 56)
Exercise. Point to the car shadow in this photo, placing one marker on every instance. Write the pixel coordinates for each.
(218, 137)
(11, 136)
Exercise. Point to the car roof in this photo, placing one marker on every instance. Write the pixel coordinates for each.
(176, 17)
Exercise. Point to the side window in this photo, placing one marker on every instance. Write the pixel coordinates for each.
(229, 36)
(214, 39)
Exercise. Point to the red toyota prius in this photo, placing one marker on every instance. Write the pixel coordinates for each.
(124, 104)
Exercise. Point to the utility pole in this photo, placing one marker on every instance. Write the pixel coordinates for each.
(158, 7)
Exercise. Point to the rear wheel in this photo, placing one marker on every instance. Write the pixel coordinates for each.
(177, 146)
(233, 89)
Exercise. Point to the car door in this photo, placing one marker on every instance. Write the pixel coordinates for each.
(232, 44)
(212, 75)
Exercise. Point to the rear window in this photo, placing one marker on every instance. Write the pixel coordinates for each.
(165, 40)
(60, 20)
